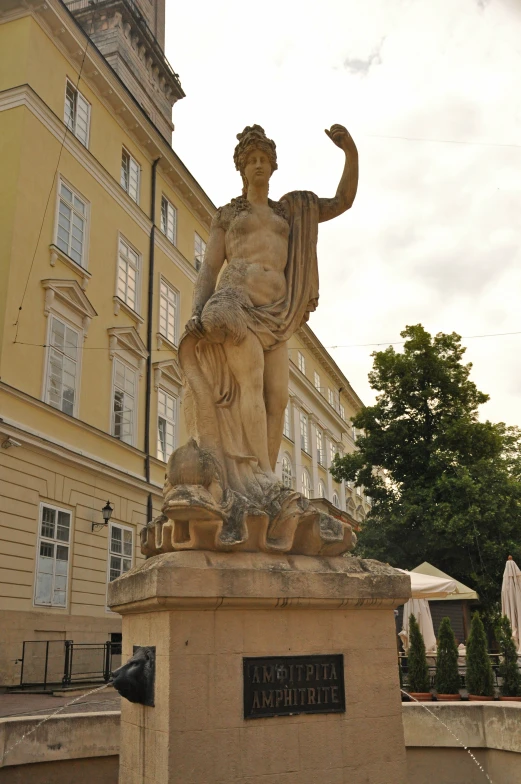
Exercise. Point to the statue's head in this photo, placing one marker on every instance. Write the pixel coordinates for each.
(255, 155)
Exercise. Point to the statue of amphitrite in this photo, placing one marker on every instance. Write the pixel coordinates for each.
(221, 489)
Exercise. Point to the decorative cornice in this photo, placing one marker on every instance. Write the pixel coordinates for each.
(127, 339)
(170, 371)
(70, 293)
(58, 254)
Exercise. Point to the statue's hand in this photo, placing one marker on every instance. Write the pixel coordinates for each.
(194, 326)
(342, 138)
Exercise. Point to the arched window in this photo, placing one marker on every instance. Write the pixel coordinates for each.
(306, 483)
(287, 471)
(351, 507)
(336, 501)
(321, 490)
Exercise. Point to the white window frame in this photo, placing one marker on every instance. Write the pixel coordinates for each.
(133, 370)
(301, 362)
(342, 411)
(175, 338)
(85, 250)
(199, 256)
(286, 460)
(321, 487)
(307, 484)
(55, 542)
(171, 217)
(316, 380)
(333, 452)
(304, 434)
(73, 128)
(47, 374)
(321, 457)
(287, 422)
(126, 185)
(174, 422)
(118, 555)
(122, 260)
(337, 502)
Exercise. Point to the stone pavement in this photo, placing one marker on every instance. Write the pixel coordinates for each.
(42, 704)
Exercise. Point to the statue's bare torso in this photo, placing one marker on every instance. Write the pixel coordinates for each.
(256, 245)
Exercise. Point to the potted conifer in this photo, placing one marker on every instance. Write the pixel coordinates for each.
(419, 684)
(480, 680)
(508, 671)
(447, 680)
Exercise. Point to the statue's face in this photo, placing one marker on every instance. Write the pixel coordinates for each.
(258, 168)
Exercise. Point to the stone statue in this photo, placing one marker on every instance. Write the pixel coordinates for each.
(221, 490)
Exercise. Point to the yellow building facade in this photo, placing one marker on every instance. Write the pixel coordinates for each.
(102, 229)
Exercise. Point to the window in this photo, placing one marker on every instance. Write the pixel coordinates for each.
(77, 113)
(166, 424)
(304, 443)
(317, 381)
(287, 472)
(168, 307)
(342, 412)
(120, 550)
(62, 366)
(128, 274)
(123, 402)
(287, 421)
(52, 568)
(320, 447)
(321, 490)
(199, 251)
(130, 175)
(72, 224)
(301, 361)
(332, 452)
(333, 399)
(168, 219)
(306, 483)
(336, 501)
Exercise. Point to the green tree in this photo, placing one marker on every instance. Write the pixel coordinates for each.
(416, 659)
(508, 668)
(447, 676)
(445, 486)
(479, 677)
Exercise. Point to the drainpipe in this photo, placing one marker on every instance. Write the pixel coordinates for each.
(151, 259)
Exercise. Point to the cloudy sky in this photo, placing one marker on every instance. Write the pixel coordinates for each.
(429, 89)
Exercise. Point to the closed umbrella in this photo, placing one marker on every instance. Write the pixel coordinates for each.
(423, 586)
(511, 599)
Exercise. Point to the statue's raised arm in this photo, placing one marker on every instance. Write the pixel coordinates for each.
(346, 191)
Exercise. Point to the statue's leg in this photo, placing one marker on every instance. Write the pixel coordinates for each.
(276, 380)
(246, 362)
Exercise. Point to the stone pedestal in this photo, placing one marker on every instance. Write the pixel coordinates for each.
(205, 611)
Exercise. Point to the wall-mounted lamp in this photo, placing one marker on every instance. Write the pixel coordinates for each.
(107, 514)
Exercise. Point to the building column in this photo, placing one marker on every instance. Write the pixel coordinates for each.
(296, 435)
(314, 459)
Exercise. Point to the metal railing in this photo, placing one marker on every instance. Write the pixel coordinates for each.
(50, 663)
(462, 668)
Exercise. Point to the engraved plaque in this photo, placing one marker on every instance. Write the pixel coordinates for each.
(285, 685)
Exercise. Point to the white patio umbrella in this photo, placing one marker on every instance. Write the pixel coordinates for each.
(424, 587)
(511, 599)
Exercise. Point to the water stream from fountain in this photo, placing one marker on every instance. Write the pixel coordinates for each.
(50, 716)
(478, 763)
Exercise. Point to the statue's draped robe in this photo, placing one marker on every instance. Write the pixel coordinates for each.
(211, 392)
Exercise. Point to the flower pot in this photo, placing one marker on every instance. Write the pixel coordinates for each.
(421, 696)
(478, 698)
(510, 699)
(448, 697)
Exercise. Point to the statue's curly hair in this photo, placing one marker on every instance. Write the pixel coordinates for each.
(253, 138)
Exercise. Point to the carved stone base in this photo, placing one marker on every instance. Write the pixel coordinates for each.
(296, 530)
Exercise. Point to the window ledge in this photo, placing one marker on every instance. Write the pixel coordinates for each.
(119, 304)
(162, 340)
(57, 253)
